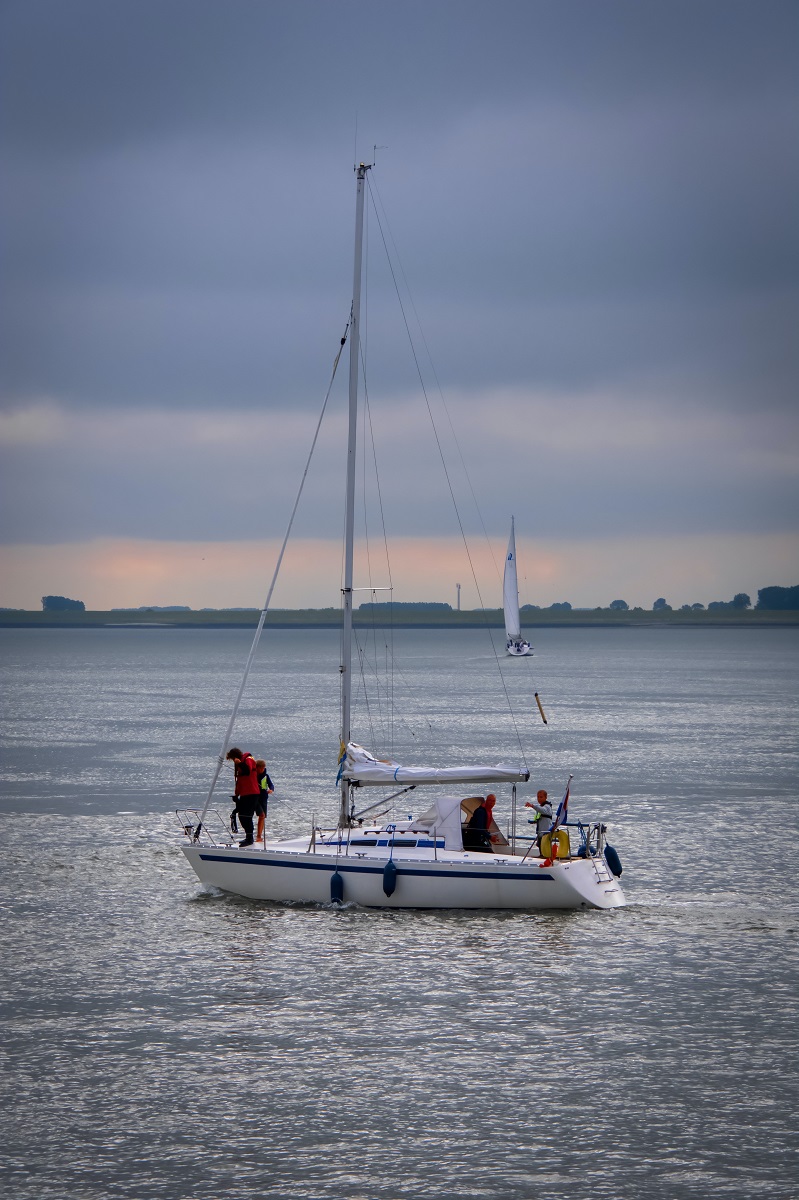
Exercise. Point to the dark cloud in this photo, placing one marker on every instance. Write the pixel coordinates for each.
(88, 74)
(586, 198)
(568, 469)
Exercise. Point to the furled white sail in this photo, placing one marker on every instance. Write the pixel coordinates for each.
(362, 767)
(510, 591)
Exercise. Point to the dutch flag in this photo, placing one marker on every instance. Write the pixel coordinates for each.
(562, 815)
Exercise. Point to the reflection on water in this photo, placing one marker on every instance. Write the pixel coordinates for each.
(163, 1042)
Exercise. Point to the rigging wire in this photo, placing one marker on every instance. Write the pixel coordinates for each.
(373, 670)
(366, 418)
(439, 388)
(362, 677)
(226, 741)
(374, 186)
(446, 473)
(367, 409)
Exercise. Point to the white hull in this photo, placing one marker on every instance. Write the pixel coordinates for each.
(288, 871)
(518, 649)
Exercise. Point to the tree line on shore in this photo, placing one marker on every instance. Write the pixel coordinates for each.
(773, 599)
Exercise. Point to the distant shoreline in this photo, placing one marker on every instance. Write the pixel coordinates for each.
(310, 618)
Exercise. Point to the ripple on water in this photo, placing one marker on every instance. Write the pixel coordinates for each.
(162, 1041)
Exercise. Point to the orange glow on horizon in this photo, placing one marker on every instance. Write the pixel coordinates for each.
(116, 573)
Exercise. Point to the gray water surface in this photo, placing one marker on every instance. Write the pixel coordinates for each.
(162, 1041)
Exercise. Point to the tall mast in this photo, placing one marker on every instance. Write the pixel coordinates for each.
(349, 515)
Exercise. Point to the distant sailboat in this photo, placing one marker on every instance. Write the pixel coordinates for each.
(515, 644)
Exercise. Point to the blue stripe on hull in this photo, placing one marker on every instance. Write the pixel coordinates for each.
(363, 870)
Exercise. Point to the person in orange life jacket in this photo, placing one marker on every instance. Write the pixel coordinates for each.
(247, 791)
(266, 788)
(476, 835)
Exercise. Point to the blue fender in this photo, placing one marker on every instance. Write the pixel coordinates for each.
(390, 873)
(336, 888)
(613, 860)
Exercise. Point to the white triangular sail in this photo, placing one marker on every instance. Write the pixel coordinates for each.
(510, 591)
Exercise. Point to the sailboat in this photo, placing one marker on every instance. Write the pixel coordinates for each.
(515, 644)
(430, 859)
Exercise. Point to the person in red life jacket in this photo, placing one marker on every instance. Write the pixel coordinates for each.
(247, 790)
(490, 802)
(266, 788)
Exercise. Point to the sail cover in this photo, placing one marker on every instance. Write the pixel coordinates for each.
(510, 590)
(362, 767)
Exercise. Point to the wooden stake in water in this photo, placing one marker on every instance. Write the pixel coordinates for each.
(541, 709)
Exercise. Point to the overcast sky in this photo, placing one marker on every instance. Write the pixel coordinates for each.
(593, 203)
